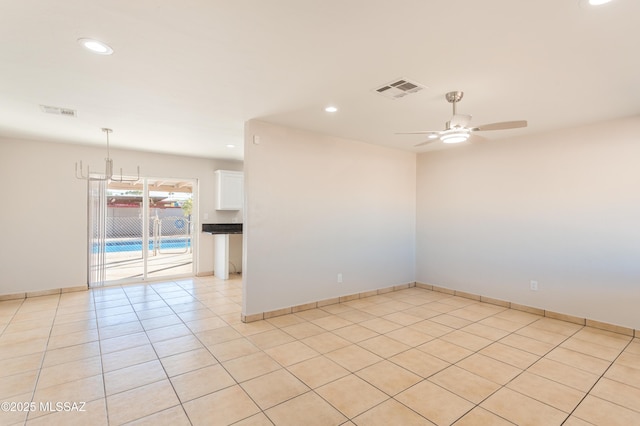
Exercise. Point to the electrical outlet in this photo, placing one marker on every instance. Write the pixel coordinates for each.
(340, 277)
(533, 285)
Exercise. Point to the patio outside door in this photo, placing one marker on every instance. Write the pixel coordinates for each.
(140, 231)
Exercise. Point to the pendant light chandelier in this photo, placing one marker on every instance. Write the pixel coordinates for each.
(108, 168)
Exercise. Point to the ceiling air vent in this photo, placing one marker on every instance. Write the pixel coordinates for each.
(399, 88)
(67, 112)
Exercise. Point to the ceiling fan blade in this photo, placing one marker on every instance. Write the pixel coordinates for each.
(504, 125)
(460, 120)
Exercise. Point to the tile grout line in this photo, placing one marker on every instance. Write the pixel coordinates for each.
(157, 357)
(217, 360)
(350, 373)
(221, 365)
(473, 353)
(104, 381)
(526, 369)
(44, 354)
(12, 316)
(282, 366)
(362, 309)
(598, 381)
(582, 327)
(130, 304)
(398, 365)
(468, 356)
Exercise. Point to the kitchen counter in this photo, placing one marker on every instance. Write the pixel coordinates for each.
(222, 228)
(221, 233)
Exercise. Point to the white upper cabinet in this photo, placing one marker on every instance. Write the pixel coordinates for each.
(230, 190)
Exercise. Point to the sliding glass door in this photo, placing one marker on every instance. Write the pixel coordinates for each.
(140, 230)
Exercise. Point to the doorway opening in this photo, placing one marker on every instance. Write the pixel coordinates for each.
(140, 230)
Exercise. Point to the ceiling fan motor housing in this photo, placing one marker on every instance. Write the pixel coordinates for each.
(455, 96)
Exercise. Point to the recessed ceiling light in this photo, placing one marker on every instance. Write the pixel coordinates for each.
(331, 109)
(95, 46)
(230, 146)
(598, 2)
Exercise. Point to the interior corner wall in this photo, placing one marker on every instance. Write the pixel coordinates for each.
(318, 206)
(561, 208)
(43, 222)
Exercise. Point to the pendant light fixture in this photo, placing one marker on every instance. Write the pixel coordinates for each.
(108, 168)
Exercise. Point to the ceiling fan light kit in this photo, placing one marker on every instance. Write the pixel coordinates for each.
(455, 135)
(456, 129)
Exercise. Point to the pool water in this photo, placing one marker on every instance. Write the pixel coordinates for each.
(136, 245)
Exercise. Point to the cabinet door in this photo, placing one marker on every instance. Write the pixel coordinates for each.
(230, 190)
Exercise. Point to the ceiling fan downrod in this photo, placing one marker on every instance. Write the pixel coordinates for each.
(453, 98)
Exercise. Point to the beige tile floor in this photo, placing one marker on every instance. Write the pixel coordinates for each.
(176, 353)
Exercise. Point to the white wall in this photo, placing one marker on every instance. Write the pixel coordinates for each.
(561, 208)
(44, 220)
(317, 206)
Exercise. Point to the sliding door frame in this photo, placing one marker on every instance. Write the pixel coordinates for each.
(97, 213)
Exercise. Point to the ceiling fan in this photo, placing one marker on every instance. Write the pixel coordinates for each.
(456, 129)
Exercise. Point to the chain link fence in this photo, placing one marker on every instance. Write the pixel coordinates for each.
(168, 234)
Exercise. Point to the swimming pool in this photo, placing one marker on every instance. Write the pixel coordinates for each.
(115, 246)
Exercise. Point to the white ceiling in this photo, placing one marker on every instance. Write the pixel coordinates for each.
(187, 74)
